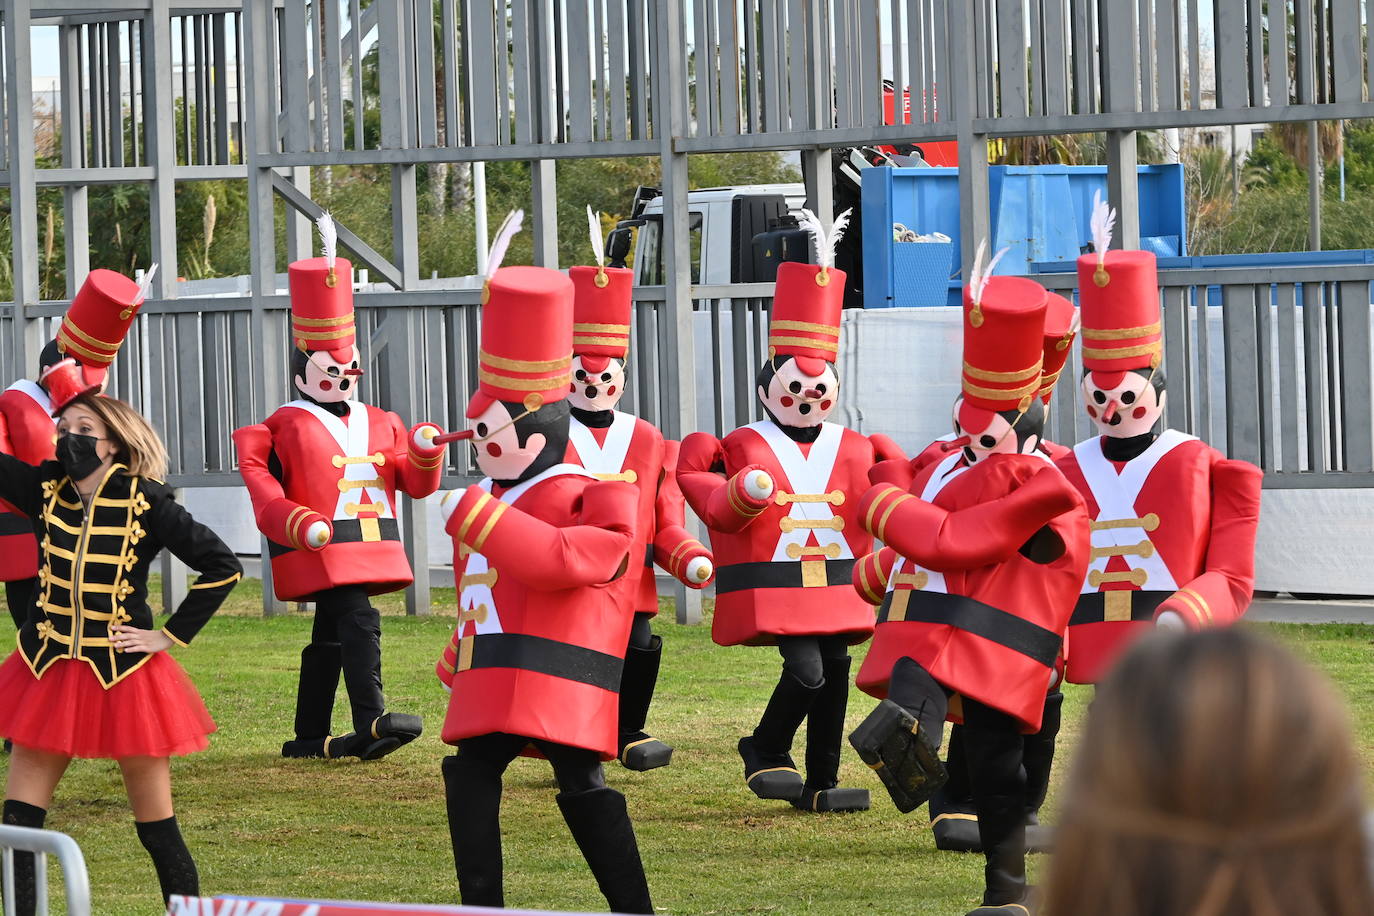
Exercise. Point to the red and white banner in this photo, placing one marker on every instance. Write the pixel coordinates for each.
(266, 906)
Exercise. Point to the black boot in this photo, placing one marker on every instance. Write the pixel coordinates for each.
(176, 870)
(953, 820)
(1039, 760)
(472, 789)
(22, 814)
(360, 640)
(993, 744)
(319, 681)
(824, 734)
(768, 767)
(601, 826)
(638, 750)
(897, 747)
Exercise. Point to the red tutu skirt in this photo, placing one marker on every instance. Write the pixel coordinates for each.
(155, 711)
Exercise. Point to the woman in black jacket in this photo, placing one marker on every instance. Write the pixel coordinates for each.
(91, 677)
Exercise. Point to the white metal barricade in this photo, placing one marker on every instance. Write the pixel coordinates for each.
(44, 843)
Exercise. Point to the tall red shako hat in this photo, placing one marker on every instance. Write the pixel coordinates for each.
(1119, 293)
(602, 307)
(525, 355)
(1004, 325)
(1061, 327)
(92, 332)
(808, 300)
(322, 299)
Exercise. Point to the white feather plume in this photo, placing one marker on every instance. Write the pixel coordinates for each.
(598, 243)
(982, 270)
(1102, 222)
(497, 252)
(825, 242)
(329, 238)
(1076, 324)
(145, 283)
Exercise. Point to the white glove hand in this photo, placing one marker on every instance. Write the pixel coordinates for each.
(424, 435)
(1170, 620)
(758, 484)
(318, 534)
(448, 503)
(700, 569)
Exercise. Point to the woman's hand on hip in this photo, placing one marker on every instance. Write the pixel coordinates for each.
(132, 639)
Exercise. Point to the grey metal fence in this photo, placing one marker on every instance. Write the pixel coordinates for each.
(44, 843)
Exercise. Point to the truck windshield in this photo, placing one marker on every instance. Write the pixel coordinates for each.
(650, 255)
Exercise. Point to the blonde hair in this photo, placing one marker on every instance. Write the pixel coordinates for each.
(138, 445)
(1216, 777)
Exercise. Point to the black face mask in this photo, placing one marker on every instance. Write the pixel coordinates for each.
(76, 454)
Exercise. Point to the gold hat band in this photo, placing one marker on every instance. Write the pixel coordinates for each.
(71, 328)
(67, 344)
(346, 331)
(1001, 394)
(1120, 333)
(524, 384)
(987, 376)
(302, 322)
(779, 341)
(580, 341)
(807, 326)
(524, 365)
(592, 328)
(1149, 349)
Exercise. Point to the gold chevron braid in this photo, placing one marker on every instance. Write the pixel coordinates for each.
(1001, 394)
(1120, 333)
(984, 375)
(524, 365)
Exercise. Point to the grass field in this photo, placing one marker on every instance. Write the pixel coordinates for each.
(259, 824)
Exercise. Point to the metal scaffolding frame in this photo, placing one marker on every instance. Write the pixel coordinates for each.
(169, 91)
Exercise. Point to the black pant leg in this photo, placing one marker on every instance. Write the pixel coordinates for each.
(994, 749)
(359, 629)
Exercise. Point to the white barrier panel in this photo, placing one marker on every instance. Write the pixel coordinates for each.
(229, 905)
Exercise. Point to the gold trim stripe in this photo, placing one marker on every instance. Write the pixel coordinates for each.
(298, 321)
(1203, 610)
(229, 581)
(873, 507)
(348, 331)
(1120, 333)
(882, 522)
(486, 529)
(71, 328)
(1149, 349)
(524, 384)
(524, 365)
(174, 638)
(829, 330)
(584, 341)
(587, 327)
(1020, 375)
(1001, 394)
(778, 341)
(472, 515)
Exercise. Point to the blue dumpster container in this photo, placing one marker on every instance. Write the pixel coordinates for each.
(1040, 212)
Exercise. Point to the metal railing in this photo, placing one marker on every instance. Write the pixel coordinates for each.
(44, 843)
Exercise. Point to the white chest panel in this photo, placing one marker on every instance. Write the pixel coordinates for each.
(907, 571)
(810, 505)
(608, 460)
(362, 489)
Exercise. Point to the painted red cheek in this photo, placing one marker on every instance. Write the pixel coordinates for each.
(825, 405)
(572, 387)
(610, 390)
(1138, 412)
(786, 402)
(325, 384)
(1092, 413)
(493, 450)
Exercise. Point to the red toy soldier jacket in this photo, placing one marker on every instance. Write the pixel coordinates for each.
(634, 451)
(963, 601)
(544, 612)
(304, 465)
(1172, 529)
(26, 432)
(784, 567)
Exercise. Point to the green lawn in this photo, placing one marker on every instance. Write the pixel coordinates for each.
(258, 824)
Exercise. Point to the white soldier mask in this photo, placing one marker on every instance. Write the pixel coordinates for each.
(330, 376)
(802, 392)
(983, 433)
(598, 383)
(1122, 405)
(497, 443)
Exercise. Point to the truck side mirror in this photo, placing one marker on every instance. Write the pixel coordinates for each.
(618, 245)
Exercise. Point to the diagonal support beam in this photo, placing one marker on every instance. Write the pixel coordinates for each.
(365, 252)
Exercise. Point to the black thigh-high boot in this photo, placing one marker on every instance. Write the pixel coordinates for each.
(360, 644)
(638, 749)
(472, 789)
(176, 870)
(952, 817)
(600, 824)
(824, 734)
(769, 770)
(1039, 760)
(19, 597)
(993, 749)
(321, 663)
(900, 740)
(24, 892)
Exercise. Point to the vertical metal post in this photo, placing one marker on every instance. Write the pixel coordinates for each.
(1121, 94)
(22, 185)
(1314, 186)
(1123, 186)
(820, 187)
(260, 139)
(75, 212)
(975, 196)
(545, 100)
(670, 121)
(160, 144)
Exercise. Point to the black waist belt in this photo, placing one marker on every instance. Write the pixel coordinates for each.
(546, 656)
(783, 574)
(993, 624)
(1092, 606)
(11, 524)
(346, 531)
